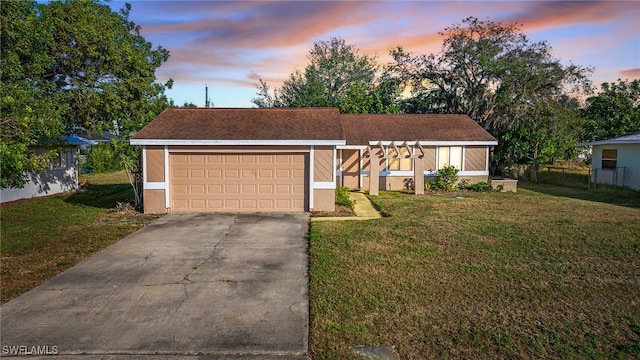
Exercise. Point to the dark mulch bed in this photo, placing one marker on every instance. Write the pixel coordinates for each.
(341, 211)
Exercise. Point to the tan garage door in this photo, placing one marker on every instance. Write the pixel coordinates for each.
(237, 182)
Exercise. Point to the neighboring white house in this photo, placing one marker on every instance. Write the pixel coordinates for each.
(61, 176)
(616, 161)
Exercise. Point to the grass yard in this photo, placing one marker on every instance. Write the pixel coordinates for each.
(548, 272)
(43, 237)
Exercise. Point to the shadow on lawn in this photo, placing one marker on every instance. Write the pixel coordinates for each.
(610, 195)
(102, 196)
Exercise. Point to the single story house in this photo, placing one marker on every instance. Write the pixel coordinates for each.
(292, 159)
(61, 176)
(616, 161)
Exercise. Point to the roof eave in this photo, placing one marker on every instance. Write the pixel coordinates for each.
(279, 142)
(604, 142)
(439, 143)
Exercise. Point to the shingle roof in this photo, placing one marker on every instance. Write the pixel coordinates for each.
(627, 139)
(245, 124)
(308, 124)
(360, 129)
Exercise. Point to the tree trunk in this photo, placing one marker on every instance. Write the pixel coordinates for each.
(534, 165)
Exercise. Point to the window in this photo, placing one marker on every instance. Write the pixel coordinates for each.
(609, 159)
(60, 161)
(401, 163)
(450, 156)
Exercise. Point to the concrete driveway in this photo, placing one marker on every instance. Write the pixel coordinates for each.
(212, 285)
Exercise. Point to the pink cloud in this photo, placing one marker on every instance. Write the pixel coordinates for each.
(546, 14)
(630, 73)
(239, 42)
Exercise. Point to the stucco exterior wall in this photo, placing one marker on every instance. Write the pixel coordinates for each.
(154, 201)
(393, 182)
(628, 157)
(474, 179)
(324, 200)
(55, 180)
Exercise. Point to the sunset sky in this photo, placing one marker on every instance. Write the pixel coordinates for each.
(229, 45)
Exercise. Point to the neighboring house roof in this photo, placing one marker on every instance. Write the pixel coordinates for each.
(366, 128)
(106, 136)
(263, 126)
(628, 139)
(180, 126)
(78, 140)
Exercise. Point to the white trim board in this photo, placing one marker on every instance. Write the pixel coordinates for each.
(154, 185)
(169, 142)
(434, 143)
(167, 198)
(321, 185)
(311, 174)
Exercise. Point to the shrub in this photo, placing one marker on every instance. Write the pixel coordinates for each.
(464, 184)
(101, 158)
(445, 180)
(106, 157)
(342, 197)
(480, 187)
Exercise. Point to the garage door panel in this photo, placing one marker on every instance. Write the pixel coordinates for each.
(231, 173)
(265, 174)
(232, 204)
(179, 158)
(197, 173)
(197, 159)
(249, 204)
(238, 182)
(198, 204)
(214, 173)
(283, 174)
(214, 189)
(215, 204)
(231, 159)
(249, 189)
(181, 189)
(181, 174)
(215, 159)
(248, 174)
(197, 189)
(248, 159)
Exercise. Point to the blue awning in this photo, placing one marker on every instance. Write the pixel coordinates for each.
(78, 140)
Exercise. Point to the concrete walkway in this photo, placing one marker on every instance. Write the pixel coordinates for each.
(363, 208)
(203, 286)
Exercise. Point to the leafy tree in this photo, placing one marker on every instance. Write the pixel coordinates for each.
(614, 112)
(336, 76)
(550, 132)
(189, 105)
(30, 113)
(186, 104)
(492, 72)
(71, 66)
(102, 66)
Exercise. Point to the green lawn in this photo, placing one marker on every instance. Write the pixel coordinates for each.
(548, 272)
(43, 237)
